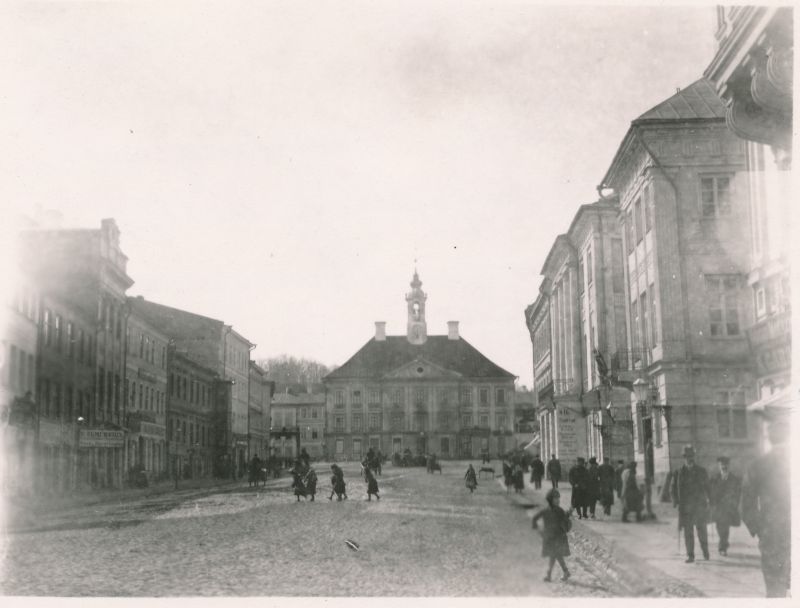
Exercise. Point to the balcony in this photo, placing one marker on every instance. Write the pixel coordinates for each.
(771, 343)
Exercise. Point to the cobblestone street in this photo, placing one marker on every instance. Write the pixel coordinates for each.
(426, 537)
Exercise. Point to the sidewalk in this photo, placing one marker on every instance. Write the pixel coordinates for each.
(647, 554)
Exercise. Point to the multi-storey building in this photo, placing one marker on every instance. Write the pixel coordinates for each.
(425, 393)
(192, 398)
(752, 71)
(18, 389)
(81, 279)
(214, 345)
(303, 413)
(260, 400)
(580, 312)
(146, 358)
(683, 208)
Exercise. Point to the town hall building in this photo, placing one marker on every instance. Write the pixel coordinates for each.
(426, 393)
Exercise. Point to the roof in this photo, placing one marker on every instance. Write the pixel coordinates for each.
(697, 101)
(377, 358)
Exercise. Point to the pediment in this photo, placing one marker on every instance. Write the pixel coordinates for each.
(420, 369)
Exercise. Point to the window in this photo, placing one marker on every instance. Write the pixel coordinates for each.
(444, 420)
(340, 446)
(314, 434)
(420, 395)
(731, 414)
(649, 202)
(466, 420)
(589, 267)
(500, 396)
(466, 395)
(653, 316)
(629, 232)
(723, 306)
(70, 340)
(484, 421)
(715, 196)
(358, 423)
(356, 397)
(483, 396)
(314, 413)
(46, 327)
(374, 421)
(338, 423)
(638, 219)
(338, 398)
(356, 448)
(374, 396)
(502, 422)
(80, 346)
(399, 396)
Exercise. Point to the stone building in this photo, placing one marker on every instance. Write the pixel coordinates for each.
(426, 393)
(146, 397)
(752, 72)
(305, 413)
(683, 198)
(18, 389)
(579, 312)
(81, 279)
(215, 345)
(193, 398)
(260, 401)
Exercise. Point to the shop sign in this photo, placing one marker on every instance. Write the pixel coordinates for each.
(101, 438)
(155, 431)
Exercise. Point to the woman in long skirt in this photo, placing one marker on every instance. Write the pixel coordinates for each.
(470, 479)
(372, 484)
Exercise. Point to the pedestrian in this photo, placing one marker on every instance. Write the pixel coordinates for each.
(630, 494)
(254, 472)
(297, 483)
(766, 501)
(606, 481)
(372, 485)
(618, 477)
(484, 455)
(537, 472)
(305, 458)
(554, 470)
(724, 493)
(470, 479)
(555, 545)
(690, 496)
(310, 482)
(518, 478)
(507, 474)
(338, 486)
(579, 480)
(593, 486)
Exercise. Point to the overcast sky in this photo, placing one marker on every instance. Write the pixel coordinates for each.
(281, 168)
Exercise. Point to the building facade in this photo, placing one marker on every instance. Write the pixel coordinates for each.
(260, 401)
(428, 394)
(146, 358)
(214, 345)
(752, 72)
(18, 389)
(305, 413)
(679, 175)
(192, 397)
(80, 368)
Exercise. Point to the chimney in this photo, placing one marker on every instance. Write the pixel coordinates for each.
(452, 330)
(380, 331)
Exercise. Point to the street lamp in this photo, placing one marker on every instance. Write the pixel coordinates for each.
(79, 422)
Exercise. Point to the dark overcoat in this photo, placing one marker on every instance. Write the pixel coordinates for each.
(579, 480)
(724, 495)
(593, 483)
(537, 468)
(470, 479)
(606, 477)
(690, 495)
(554, 535)
(554, 469)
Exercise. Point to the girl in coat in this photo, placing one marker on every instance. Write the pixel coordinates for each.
(557, 523)
(372, 484)
(470, 479)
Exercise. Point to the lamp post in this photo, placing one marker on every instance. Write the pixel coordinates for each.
(79, 422)
(646, 397)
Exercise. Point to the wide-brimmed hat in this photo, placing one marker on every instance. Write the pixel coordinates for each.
(688, 451)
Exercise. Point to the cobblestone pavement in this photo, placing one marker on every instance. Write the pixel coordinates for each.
(427, 536)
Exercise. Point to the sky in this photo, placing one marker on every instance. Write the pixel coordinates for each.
(284, 166)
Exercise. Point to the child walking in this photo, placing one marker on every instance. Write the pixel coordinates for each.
(557, 523)
(372, 484)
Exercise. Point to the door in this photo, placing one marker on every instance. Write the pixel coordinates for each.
(397, 445)
(465, 446)
(445, 444)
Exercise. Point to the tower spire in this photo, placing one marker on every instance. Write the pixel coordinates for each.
(417, 332)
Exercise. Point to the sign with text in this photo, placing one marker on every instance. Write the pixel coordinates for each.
(571, 435)
(100, 438)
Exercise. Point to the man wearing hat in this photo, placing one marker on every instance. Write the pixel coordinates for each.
(766, 503)
(579, 480)
(690, 496)
(724, 494)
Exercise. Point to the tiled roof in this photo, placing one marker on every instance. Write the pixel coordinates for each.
(377, 358)
(698, 100)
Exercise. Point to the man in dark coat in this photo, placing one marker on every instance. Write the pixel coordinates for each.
(606, 478)
(766, 502)
(690, 496)
(579, 480)
(537, 472)
(554, 470)
(630, 494)
(255, 471)
(724, 493)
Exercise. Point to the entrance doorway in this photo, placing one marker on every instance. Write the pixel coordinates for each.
(445, 445)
